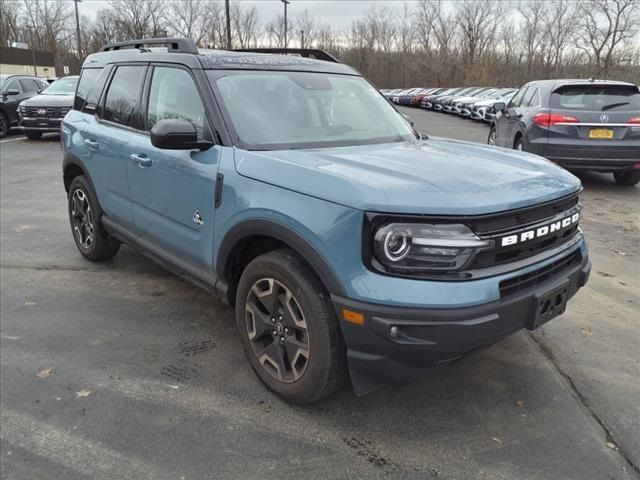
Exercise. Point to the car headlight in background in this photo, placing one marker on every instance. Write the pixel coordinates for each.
(415, 248)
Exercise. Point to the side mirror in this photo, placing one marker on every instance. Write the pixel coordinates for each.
(408, 119)
(177, 134)
(12, 91)
(499, 106)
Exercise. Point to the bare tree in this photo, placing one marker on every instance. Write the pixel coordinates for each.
(192, 18)
(139, 18)
(534, 14)
(478, 23)
(244, 22)
(605, 26)
(9, 22)
(560, 20)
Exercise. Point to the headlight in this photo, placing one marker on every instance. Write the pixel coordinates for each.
(406, 248)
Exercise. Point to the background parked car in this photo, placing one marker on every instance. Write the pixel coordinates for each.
(13, 90)
(579, 124)
(44, 112)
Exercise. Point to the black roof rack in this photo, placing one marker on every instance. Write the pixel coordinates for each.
(316, 53)
(176, 45)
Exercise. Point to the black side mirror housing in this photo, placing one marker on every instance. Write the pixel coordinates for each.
(499, 106)
(11, 91)
(177, 134)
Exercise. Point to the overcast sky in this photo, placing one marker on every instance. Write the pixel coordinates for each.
(339, 13)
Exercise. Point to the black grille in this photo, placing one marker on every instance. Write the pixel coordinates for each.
(44, 112)
(528, 280)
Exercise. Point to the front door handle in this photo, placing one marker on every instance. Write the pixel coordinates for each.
(91, 144)
(142, 160)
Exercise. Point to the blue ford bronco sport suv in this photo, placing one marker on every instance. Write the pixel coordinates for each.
(348, 243)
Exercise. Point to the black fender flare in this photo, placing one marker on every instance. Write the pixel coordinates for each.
(70, 160)
(267, 228)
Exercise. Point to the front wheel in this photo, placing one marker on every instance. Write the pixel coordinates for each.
(491, 140)
(289, 329)
(628, 179)
(33, 135)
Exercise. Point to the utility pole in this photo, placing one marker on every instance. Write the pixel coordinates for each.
(301, 38)
(286, 2)
(228, 13)
(33, 51)
(78, 29)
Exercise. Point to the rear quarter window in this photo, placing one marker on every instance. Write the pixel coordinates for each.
(614, 98)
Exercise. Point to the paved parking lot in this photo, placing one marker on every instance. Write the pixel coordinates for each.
(123, 370)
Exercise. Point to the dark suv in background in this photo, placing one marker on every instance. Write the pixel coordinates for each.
(44, 112)
(13, 90)
(578, 124)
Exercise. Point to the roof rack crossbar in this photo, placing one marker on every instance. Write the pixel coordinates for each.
(316, 53)
(176, 45)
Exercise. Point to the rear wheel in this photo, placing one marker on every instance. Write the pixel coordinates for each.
(4, 125)
(85, 217)
(627, 178)
(33, 135)
(289, 329)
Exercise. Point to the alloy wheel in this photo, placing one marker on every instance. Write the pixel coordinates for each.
(492, 137)
(82, 218)
(277, 330)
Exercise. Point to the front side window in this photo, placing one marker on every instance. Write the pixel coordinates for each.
(529, 100)
(284, 110)
(174, 95)
(14, 85)
(122, 99)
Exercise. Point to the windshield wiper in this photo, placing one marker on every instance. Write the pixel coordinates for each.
(613, 105)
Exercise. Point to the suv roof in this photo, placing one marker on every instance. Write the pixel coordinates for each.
(185, 52)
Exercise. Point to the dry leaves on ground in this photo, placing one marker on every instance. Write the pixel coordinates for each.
(44, 373)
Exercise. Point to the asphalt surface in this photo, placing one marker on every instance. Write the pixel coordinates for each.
(122, 370)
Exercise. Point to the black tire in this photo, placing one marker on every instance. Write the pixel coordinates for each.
(518, 144)
(491, 139)
(628, 179)
(325, 367)
(4, 125)
(87, 224)
(33, 135)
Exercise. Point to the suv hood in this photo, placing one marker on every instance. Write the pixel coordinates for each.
(436, 176)
(44, 100)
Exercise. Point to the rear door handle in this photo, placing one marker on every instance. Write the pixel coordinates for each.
(142, 160)
(91, 144)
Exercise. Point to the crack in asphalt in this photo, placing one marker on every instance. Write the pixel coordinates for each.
(549, 355)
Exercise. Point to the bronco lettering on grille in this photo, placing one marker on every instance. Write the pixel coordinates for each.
(540, 232)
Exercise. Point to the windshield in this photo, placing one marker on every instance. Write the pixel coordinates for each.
(285, 110)
(621, 98)
(64, 86)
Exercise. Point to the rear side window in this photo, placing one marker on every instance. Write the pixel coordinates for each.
(29, 85)
(87, 78)
(122, 99)
(517, 98)
(599, 98)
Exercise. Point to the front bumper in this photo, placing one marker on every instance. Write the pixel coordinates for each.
(428, 338)
(36, 124)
